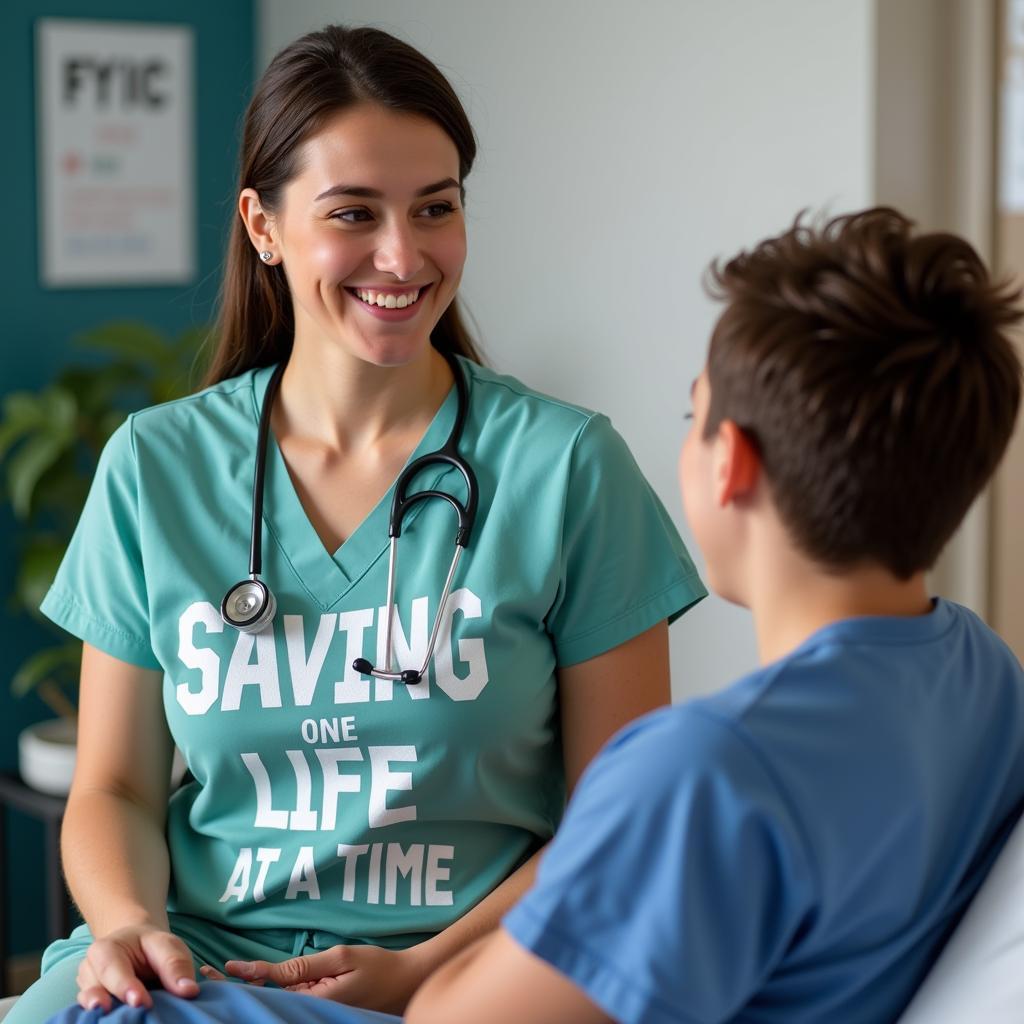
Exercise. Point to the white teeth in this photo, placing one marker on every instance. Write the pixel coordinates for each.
(387, 301)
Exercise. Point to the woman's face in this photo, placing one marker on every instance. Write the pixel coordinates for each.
(371, 233)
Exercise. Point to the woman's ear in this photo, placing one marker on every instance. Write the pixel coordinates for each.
(259, 224)
(737, 466)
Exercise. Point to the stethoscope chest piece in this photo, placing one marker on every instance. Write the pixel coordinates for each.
(248, 606)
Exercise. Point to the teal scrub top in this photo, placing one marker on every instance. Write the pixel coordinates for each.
(323, 799)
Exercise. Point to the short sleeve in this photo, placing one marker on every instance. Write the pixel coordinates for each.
(624, 566)
(677, 879)
(99, 593)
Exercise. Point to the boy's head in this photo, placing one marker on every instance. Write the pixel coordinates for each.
(863, 373)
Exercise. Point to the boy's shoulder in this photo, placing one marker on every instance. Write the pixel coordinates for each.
(871, 660)
(841, 682)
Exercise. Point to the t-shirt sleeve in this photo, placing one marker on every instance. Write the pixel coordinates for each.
(99, 593)
(624, 566)
(677, 879)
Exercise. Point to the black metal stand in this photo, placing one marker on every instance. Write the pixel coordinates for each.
(50, 810)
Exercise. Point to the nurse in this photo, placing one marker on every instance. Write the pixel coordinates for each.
(374, 826)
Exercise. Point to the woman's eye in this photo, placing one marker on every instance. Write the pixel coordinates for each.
(435, 210)
(359, 215)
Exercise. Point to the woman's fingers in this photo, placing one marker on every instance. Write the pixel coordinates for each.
(115, 972)
(212, 974)
(325, 988)
(118, 964)
(172, 963)
(261, 971)
(95, 997)
(91, 994)
(295, 971)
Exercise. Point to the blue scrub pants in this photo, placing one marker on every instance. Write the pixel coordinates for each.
(222, 1002)
(209, 943)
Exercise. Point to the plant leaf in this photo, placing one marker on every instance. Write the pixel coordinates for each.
(37, 568)
(63, 662)
(28, 464)
(60, 494)
(22, 413)
(108, 423)
(60, 406)
(99, 388)
(135, 342)
(11, 431)
(51, 411)
(23, 406)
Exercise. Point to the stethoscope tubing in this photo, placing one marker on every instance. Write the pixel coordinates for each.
(254, 589)
(255, 530)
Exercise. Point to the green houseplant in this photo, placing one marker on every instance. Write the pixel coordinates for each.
(50, 442)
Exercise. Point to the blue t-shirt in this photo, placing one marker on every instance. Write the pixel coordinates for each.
(797, 847)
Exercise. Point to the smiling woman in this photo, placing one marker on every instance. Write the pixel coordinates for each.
(404, 122)
(384, 246)
(348, 864)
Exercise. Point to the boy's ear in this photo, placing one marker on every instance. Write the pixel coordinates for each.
(737, 464)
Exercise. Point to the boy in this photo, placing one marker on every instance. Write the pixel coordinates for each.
(798, 847)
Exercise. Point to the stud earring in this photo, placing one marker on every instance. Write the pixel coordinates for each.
(266, 255)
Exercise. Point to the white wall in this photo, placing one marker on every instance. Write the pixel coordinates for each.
(621, 148)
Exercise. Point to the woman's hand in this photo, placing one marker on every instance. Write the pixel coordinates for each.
(120, 963)
(364, 976)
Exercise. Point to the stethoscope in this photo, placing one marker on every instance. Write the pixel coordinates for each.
(250, 605)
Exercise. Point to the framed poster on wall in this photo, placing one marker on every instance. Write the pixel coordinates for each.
(114, 114)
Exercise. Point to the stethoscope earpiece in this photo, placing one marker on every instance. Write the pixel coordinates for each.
(409, 676)
(248, 606)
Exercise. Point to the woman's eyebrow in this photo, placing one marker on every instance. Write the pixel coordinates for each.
(362, 192)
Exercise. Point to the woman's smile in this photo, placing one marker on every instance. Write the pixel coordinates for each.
(390, 303)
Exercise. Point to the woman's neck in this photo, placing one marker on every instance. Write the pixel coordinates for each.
(348, 404)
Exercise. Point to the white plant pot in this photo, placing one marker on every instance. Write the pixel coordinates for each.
(46, 757)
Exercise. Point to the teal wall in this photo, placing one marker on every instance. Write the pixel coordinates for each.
(37, 325)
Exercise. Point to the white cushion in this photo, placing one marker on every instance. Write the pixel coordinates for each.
(979, 978)
(6, 1005)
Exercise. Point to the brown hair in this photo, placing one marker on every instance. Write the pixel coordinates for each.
(872, 369)
(305, 85)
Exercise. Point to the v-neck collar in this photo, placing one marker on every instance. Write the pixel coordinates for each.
(326, 577)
